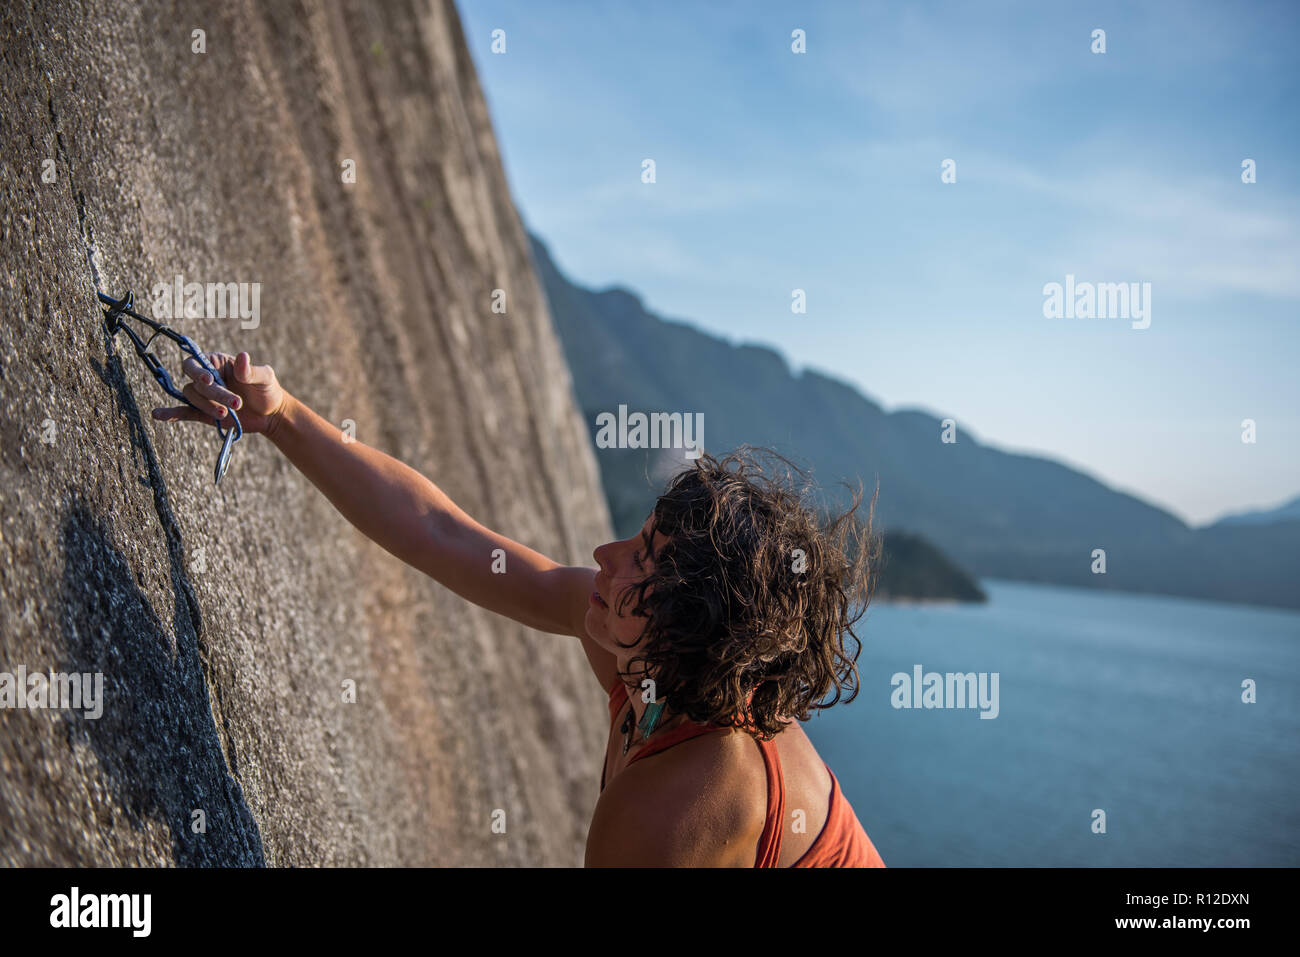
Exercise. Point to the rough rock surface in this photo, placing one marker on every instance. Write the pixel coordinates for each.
(226, 620)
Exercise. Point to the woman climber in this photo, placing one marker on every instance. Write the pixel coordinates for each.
(715, 629)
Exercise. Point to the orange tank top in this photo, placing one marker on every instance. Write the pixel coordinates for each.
(842, 841)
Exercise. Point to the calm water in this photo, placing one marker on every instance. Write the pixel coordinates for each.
(1127, 703)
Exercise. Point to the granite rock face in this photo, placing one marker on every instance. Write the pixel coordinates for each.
(228, 621)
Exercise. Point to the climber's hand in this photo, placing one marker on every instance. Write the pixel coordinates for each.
(252, 391)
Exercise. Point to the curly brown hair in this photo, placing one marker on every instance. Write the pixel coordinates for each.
(752, 599)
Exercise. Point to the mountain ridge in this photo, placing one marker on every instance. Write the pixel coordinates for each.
(998, 513)
(1287, 511)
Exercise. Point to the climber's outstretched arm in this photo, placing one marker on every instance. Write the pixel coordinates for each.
(394, 505)
(412, 518)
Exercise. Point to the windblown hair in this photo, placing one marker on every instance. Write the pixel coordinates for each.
(752, 594)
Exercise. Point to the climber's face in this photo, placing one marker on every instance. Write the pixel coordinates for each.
(610, 621)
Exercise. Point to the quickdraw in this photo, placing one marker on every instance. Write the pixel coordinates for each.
(119, 308)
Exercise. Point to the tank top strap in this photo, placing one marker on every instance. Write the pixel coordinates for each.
(683, 732)
(619, 696)
(769, 844)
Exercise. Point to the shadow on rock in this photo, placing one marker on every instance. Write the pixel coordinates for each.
(156, 739)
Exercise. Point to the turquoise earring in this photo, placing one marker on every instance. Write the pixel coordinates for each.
(651, 717)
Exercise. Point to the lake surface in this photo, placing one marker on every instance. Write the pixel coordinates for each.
(1127, 703)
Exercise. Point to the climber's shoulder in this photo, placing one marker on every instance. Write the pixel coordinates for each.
(692, 805)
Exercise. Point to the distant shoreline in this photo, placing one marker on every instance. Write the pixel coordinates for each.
(905, 600)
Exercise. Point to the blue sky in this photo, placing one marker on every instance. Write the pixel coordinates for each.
(821, 171)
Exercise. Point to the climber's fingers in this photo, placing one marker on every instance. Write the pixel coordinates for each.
(216, 410)
(250, 374)
(223, 363)
(206, 387)
(181, 413)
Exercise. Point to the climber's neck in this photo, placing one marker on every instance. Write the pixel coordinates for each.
(638, 695)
